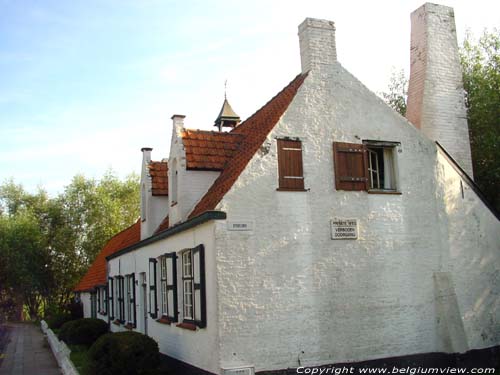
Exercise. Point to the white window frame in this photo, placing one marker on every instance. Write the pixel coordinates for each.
(102, 301)
(388, 182)
(163, 286)
(188, 307)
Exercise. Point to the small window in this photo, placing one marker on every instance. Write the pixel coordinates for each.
(369, 166)
(194, 308)
(291, 176)
(381, 173)
(101, 300)
(168, 286)
(188, 287)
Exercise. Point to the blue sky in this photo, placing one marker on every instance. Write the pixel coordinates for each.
(85, 84)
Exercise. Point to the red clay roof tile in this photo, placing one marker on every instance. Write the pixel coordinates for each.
(96, 274)
(206, 150)
(158, 170)
(164, 225)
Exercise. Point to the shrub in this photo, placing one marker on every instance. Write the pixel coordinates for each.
(82, 331)
(124, 353)
(55, 321)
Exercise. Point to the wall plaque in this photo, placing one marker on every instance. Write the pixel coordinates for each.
(240, 225)
(344, 229)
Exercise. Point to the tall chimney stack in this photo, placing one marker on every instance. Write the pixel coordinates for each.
(317, 44)
(435, 94)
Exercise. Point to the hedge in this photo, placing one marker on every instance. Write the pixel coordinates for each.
(124, 353)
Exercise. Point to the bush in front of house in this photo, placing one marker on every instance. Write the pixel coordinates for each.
(55, 316)
(56, 320)
(83, 331)
(124, 353)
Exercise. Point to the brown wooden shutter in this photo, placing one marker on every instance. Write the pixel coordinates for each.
(351, 166)
(291, 175)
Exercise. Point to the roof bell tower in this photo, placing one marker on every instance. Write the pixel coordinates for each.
(227, 117)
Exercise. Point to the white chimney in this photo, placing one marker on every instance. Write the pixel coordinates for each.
(145, 193)
(178, 121)
(317, 44)
(435, 94)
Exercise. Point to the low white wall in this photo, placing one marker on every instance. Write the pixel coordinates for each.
(60, 350)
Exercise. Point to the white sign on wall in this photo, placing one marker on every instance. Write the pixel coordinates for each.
(240, 225)
(344, 229)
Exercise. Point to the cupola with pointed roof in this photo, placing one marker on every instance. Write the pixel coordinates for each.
(227, 117)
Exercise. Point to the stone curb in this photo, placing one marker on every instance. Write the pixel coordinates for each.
(60, 350)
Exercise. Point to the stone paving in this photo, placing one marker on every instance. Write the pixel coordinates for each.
(27, 352)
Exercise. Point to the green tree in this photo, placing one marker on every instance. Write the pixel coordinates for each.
(397, 94)
(481, 73)
(47, 244)
(97, 210)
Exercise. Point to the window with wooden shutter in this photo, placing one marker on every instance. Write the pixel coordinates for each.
(121, 299)
(153, 298)
(169, 287)
(351, 167)
(130, 300)
(93, 305)
(111, 307)
(291, 176)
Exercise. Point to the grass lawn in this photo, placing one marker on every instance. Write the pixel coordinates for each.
(79, 357)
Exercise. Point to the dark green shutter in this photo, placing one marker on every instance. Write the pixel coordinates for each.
(173, 309)
(200, 304)
(153, 295)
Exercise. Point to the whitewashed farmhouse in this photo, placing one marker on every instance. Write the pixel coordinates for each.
(325, 228)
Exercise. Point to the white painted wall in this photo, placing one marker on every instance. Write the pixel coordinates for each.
(290, 296)
(200, 347)
(191, 184)
(472, 256)
(87, 309)
(153, 208)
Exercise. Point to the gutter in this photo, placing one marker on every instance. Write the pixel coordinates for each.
(469, 181)
(191, 223)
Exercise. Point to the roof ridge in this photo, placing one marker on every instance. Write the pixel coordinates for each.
(230, 133)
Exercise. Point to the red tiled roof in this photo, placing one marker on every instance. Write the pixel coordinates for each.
(164, 225)
(96, 274)
(158, 170)
(206, 150)
(254, 131)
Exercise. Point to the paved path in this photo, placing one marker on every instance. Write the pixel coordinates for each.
(27, 352)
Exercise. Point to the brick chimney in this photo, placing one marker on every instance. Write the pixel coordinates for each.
(317, 44)
(435, 94)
